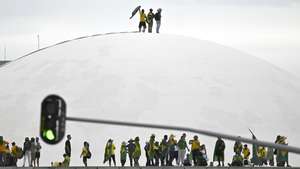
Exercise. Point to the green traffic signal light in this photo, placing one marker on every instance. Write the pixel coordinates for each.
(53, 117)
(50, 135)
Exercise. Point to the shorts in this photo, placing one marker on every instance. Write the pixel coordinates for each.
(37, 155)
(142, 24)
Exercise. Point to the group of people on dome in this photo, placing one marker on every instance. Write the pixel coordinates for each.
(147, 19)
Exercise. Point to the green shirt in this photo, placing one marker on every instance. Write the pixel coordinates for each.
(182, 144)
(123, 152)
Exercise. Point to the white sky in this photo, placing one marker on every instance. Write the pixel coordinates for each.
(268, 29)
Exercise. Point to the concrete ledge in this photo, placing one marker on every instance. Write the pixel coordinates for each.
(163, 167)
(3, 63)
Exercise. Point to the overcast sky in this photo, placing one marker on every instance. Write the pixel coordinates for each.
(268, 29)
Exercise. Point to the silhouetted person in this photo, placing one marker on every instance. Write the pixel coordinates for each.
(38, 152)
(238, 147)
(270, 156)
(150, 17)
(85, 153)
(156, 153)
(164, 150)
(246, 154)
(182, 147)
(151, 150)
(3, 151)
(68, 145)
(219, 152)
(137, 152)
(262, 154)
(110, 152)
(33, 151)
(195, 149)
(172, 143)
(130, 147)
(143, 19)
(27, 152)
(14, 153)
(123, 153)
(157, 18)
(146, 149)
(282, 157)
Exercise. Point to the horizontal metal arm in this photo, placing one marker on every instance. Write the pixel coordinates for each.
(187, 129)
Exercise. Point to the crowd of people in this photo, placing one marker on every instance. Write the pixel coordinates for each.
(147, 19)
(30, 152)
(167, 152)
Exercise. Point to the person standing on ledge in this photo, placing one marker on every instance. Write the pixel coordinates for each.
(38, 152)
(150, 17)
(143, 19)
(137, 152)
(219, 152)
(123, 153)
(157, 18)
(68, 146)
(130, 147)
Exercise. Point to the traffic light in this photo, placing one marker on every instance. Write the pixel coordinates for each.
(53, 119)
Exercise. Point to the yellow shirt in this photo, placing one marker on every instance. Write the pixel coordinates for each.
(143, 17)
(14, 151)
(246, 153)
(195, 144)
(84, 152)
(2, 148)
(113, 148)
(261, 152)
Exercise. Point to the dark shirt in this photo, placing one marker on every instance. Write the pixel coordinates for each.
(131, 148)
(27, 146)
(68, 148)
(157, 16)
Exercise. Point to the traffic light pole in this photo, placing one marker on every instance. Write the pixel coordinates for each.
(291, 149)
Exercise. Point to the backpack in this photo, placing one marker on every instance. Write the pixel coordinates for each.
(89, 154)
(19, 152)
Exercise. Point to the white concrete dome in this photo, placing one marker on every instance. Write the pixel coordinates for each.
(160, 79)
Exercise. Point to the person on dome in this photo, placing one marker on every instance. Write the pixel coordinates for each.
(143, 19)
